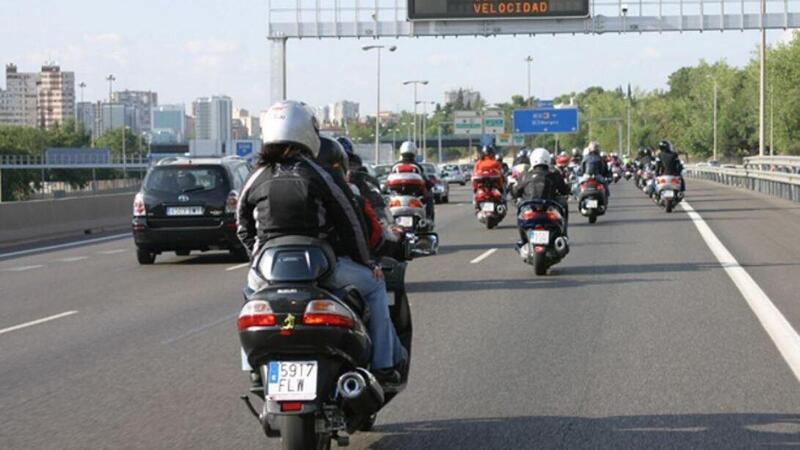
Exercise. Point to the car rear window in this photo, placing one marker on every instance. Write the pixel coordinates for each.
(186, 179)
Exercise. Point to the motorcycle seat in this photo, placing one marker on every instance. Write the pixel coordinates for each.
(295, 258)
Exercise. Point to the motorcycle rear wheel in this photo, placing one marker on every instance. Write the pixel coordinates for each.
(592, 219)
(668, 205)
(539, 264)
(298, 433)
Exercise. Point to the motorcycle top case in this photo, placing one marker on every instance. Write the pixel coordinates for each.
(406, 182)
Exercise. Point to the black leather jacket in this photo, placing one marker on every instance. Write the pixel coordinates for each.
(298, 197)
(541, 183)
(668, 163)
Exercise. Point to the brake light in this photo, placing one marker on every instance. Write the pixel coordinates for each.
(395, 203)
(232, 202)
(291, 406)
(328, 313)
(600, 187)
(552, 216)
(528, 214)
(676, 181)
(661, 180)
(139, 210)
(256, 314)
(414, 203)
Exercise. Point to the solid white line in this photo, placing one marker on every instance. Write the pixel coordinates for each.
(238, 266)
(23, 268)
(59, 246)
(485, 255)
(778, 328)
(37, 322)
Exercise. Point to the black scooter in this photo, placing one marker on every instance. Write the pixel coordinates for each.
(310, 347)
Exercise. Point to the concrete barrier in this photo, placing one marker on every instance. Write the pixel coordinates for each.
(22, 222)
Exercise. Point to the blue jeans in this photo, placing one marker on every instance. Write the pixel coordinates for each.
(387, 351)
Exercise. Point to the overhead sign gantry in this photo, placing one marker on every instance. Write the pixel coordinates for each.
(495, 9)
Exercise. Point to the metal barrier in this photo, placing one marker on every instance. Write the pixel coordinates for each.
(778, 176)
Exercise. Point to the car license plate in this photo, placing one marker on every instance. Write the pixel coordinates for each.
(291, 380)
(185, 211)
(539, 237)
(591, 204)
(405, 221)
(487, 207)
(668, 194)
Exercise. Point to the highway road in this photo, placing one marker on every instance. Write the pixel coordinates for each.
(640, 338)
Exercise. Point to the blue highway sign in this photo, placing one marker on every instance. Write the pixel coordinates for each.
(546, 120)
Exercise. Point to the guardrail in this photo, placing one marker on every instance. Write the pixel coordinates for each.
(778, 176)
(29, 162)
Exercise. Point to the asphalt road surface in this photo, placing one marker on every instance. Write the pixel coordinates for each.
(638, 339)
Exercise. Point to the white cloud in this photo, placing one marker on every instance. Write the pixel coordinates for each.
(211, 46)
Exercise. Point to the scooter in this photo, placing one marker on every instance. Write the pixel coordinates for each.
(490, 206)
(668, 192)
(407, 207)
(542, 222)
(592, 198)
(308, 348)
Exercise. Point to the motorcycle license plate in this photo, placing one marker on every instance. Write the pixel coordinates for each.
(668, 194)
(539, 237)
(591, 204)
(291, 380)
(487, 207)
(405, 221)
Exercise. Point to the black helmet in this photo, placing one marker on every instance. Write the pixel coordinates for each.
(332, 156)
(665, 146)
(488, 150)
(347, 144)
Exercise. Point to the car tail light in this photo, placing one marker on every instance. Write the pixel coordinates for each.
(291, 406)
(328, 313)
(395, 203)
(256, 314)
(139, 210)
(232, 202)
(414, 203)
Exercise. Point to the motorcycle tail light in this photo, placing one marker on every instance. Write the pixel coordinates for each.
(291, 406)
(139, 209)
(552, 216)
(676, 181)
(395, 203)
(328, 313)
(528, 214)
(414, 203)
(232, 202)
(256, 314)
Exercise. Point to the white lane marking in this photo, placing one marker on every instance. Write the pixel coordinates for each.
(37, 322)
(112, 252)
(67, 245)
(778, 328)
(238, 266)
(72, 259)
(485, 255)
(23, 268)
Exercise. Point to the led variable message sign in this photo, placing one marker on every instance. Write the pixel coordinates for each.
(495, 9)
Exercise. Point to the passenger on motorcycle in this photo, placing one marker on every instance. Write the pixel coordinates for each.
(576, 156)
(668, 163)
(290, 194)
(489, 167)
(594, 165)
(542, 183)
(408, 156)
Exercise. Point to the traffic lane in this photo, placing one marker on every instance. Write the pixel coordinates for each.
(172, 390)
(634, 342)
(14, 250)
(762, 234)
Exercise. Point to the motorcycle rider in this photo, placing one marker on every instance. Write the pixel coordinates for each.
(542, 183)
(668, 162)
(408, 155)
(290, 194)
(577, 157)
(487, 162)
(593, 164)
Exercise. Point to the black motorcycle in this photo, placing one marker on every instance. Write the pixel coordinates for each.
(592, 198)
(542, 222)
(310, 349)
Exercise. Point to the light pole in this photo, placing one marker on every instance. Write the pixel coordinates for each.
(529, 60)
(425, 127)
(762, 79)
(378, 97)
(82, 85)
(715, 119)
(415, 83)
(440, 138)
(124, 158)
(111, 79)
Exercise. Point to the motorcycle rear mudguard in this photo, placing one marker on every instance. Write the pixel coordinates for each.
(427, 244)
(601, 202)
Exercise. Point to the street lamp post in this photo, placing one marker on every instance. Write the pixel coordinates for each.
(111, 79)
(82, 85)
(715, 119)
(378, 97)
(425, 127)
(529, 60)
(124, 158)
(415, 83)
(762, 79)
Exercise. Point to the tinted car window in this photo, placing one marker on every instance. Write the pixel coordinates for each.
(186, 179)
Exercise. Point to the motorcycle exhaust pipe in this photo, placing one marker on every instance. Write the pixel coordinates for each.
(423, 223)
(562, 247)
(501, 210)
(361, 393)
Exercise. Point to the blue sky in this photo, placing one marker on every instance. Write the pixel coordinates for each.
(185, 49)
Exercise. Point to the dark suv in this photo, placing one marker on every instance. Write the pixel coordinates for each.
(189, 204)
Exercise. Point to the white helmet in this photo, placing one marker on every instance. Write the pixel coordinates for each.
(586, 152)
(291, 122)
(540, 157)
(408, 148)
